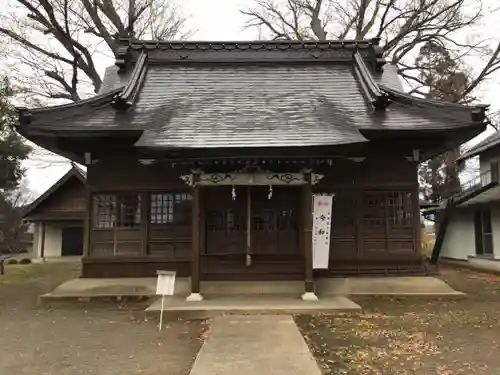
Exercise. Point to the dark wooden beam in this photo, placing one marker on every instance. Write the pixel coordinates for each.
(145, 201)
(386, 221)
(359, 221)
(195, 259)
(416, 220)
(307, 217)
(42, 244)
(87, 222)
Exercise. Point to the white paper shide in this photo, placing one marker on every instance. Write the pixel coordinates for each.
(322, 221)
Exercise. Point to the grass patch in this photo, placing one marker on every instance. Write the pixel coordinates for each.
(19, 273)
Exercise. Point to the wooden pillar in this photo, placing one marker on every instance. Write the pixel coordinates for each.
(417, 230)
(195, 295)
(386, 222)
(358, 201)
(42, 242)
(248, 259)
(87, 223)
(307, 220)
(145, 196)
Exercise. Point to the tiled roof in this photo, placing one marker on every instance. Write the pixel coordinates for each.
(257, 94)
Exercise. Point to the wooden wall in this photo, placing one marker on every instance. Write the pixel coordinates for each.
(367, 235)
(375, 217)
(67, 202)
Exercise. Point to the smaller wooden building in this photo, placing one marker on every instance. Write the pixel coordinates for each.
(203, 157)
(58, 217)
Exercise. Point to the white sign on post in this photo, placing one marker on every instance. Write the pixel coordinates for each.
(322, 219)
(165, 285)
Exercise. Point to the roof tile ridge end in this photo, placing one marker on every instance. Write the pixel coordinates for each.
(124, 99)
(371, 89)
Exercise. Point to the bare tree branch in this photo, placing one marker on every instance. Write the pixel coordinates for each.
(403, 25)
(73, 33)
(316, 24)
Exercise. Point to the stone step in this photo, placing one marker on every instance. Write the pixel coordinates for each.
(211, 306)
(289, 288)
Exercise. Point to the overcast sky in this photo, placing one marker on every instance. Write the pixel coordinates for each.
(213, 20)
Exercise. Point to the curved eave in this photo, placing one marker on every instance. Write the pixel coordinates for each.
(477, 113)
(59, 112)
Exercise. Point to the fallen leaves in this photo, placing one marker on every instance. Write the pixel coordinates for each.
(397, 336)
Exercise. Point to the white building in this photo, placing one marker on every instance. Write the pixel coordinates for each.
(473, 232)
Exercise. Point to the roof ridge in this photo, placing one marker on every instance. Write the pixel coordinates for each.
(245, 44)
(258, 51)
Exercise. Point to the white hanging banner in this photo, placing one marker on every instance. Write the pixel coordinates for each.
(322, 215)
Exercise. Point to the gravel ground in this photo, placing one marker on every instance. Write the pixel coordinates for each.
(79, 340)
(414, 335)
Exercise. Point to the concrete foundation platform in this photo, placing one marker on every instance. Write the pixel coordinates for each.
(390, 286)
(265, 304)
(248, 345)
(103, 289)
(237, 293)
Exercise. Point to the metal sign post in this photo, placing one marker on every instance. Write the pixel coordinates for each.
(165, 287)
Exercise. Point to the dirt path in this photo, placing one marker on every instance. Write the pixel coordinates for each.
(70, 341)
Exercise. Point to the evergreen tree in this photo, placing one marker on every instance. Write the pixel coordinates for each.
(12, 148)
(447, 81)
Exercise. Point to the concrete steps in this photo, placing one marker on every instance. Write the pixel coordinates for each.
(213, 306)
(252, 288)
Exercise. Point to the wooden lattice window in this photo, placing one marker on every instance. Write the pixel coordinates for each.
(104, 211)
(374, 209)
(112, 210)
(393, 206)
(170, 208)
(129, 210)
(399, 208)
